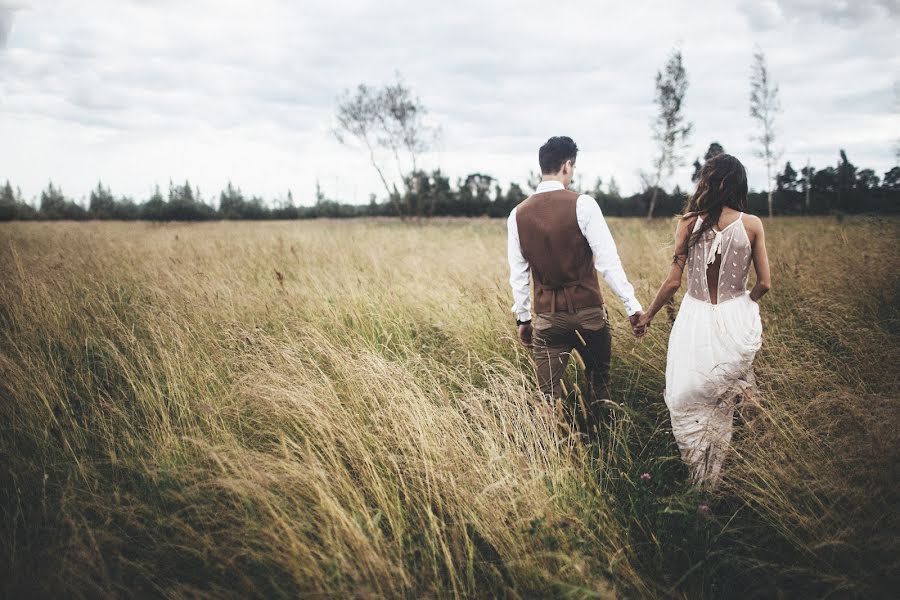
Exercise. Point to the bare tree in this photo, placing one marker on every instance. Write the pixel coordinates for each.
(390, 118)
(670, 130)
(764, 106)
(403, 123)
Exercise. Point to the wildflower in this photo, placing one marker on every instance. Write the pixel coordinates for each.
(703, 509)
(646, 477)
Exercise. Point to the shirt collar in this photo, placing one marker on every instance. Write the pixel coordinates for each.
(549, 186)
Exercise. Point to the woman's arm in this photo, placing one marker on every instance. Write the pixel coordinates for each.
(760, 260)
(676, 271)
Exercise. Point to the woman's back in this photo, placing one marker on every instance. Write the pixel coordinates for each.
(718, 265)
(718, 330)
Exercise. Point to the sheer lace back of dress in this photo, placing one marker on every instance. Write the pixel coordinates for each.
(733, 246)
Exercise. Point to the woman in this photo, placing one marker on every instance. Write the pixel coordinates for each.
(718, 331)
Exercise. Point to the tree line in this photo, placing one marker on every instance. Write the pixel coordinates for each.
(842, 187)
(390, 125)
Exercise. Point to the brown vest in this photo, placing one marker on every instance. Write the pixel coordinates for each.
(562, 264)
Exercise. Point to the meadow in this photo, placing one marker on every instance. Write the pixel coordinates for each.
(340, 409)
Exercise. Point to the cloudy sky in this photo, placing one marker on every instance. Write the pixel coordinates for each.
(135, 92)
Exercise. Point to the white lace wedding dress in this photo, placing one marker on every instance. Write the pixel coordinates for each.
(711, 350)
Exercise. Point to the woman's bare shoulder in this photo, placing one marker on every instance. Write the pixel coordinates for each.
(753, 225)
(752, 222)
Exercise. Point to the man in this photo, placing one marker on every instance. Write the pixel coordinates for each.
(560, 238)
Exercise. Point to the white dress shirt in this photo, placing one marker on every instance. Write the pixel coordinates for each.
(606, 256)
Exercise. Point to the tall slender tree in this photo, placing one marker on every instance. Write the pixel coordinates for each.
(764, 106)
(388, 118)
(670, 129)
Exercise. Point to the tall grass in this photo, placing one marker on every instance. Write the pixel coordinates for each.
(336, 409)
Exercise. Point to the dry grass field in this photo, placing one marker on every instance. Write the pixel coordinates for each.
(339, 409)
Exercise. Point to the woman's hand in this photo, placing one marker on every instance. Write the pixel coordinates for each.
(639, 323)
(644, 321)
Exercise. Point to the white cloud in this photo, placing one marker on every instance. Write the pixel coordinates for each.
(135, 92)
(766, 14)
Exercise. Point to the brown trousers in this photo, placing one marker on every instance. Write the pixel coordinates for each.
(555, 336)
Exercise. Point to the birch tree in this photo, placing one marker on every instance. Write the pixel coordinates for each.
(388, 118)
(670, 129)
(764, 106)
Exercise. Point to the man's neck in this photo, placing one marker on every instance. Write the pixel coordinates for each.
(547, 178)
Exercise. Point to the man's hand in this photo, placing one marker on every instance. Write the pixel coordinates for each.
(525, 332)
(639, 324)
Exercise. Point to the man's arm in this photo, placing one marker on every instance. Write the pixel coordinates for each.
(519, 274)
(606, 255)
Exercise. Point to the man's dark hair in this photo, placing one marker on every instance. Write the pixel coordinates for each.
(554, 154)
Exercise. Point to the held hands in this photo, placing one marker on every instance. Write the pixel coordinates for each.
(640, 322)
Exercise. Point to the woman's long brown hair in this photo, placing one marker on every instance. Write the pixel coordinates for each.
(723, 182)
